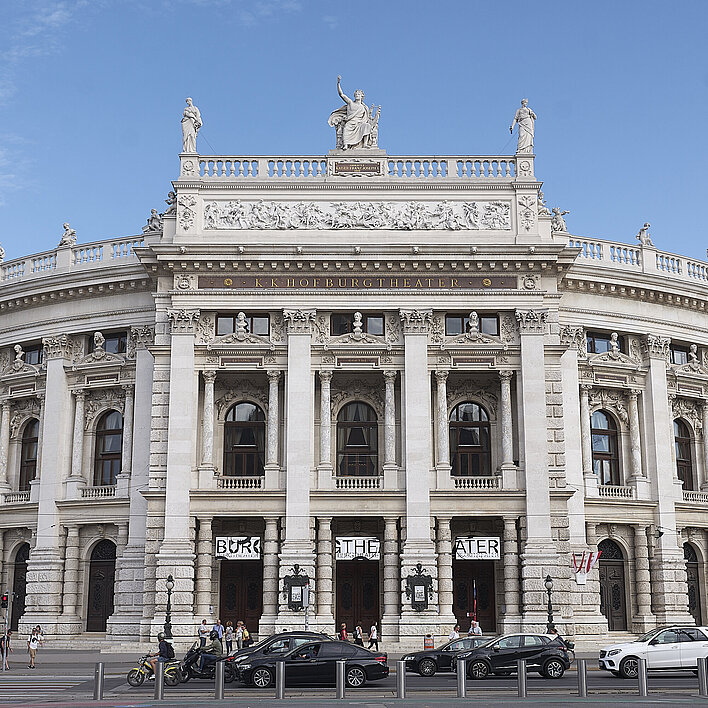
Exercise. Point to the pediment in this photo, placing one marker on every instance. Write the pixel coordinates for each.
(20, 369)
(691, 369)
(358, 339)
(99, 357)
(474, 338)
(613, 359)
(239, 338)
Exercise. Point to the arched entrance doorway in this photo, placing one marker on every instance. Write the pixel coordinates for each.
(102, 572)
(613, 603)
(19, 585)
(694, 587)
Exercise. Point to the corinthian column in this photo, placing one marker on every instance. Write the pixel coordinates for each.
(208, 419)
(4, 445)
(637, 477)
(390, 469)
(508, 468)
(325, 420)
(591, 480)
(76, 481)
(441, 416)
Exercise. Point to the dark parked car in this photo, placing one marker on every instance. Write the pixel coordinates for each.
(546, 653)
(277, 644)
(315, 664)
(429, 661)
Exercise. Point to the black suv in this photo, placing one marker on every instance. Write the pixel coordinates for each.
(546, 653)
(429, 661)
(277, 644)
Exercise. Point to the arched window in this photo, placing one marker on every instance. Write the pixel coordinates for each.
(28, 454)
(605, 459)
(357, 441)
(682, 444)
(109, 444)
(470, 451)
(244, 441)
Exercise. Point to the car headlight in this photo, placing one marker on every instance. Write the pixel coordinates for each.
(244, 666)
(613, 652)
(408, 657)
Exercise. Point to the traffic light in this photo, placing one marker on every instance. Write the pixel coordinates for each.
(3, 601)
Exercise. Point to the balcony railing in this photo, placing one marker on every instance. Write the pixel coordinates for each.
(354, 483)
(229, 482)
(109, 490)
(613, 491)
(483, 483)
(17, 497)
(695, 497)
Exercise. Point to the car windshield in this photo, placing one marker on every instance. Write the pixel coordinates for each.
(649, 635)
(487, 642)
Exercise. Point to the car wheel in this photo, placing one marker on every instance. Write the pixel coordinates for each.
(553, 669)
(629, 667)
(172, 678)
(356, 677)
(229, 673)
(262, 678)
(478, 670)
(136, 677)
(427, 667)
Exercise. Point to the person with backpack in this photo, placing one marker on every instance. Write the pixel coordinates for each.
(358, 635)
(247, 638)
(165, 652)
(32, 646)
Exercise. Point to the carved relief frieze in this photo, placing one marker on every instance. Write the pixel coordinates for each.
(412, 215)
(416, 321)
(393, 329)
(58, 347)
(277, 329)
(17, 366)
(509, 329)
(242, 390)
(473, 335)
(206, 326)
(345, 390)
(690, 410)
(186, 211)
(100, 400)
(609, 399)
(462, 390)
(184, 281)
(527, 211)
(321, 329)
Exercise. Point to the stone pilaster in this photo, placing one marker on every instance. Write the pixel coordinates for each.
(207, 468)
(70, 621)
(76, 480)
(390, 468)
(203, 569)
(643, 619)
(4, 446)
(444, 550)
(511, 619)
(591, 482)
(391, 581)
(272, 466)
(441, 424)
(270, 576)
(123, 479)
(637, 477)
(325, 562)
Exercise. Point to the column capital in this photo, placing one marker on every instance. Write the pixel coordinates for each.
(633, 394)
(325, 375)
(6, 404)
(209, 375)
(58, 347)
(142, 336)
(415, 321)
(585, 389)
(506, 374)
(183, 321)
(532, 321)
(273, 375)
(441, 375)
(573, 337)
(129, 388)
(299, 321)
(80, 394)
(656, 347)
(390, 376)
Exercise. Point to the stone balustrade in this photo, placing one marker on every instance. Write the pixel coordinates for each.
(103, 492)
(16, 497)
(354, 483)
(483, 483)
(638, 259)
(612, 491)
(299, 167)
(695, 497)
(69, 258)
(224, 482)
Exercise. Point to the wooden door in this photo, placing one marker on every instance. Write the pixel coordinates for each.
(102, 573)
(468, 575)
(241, 593)
(694, 597)
(612, 595)
(358, 594)
(19, 585)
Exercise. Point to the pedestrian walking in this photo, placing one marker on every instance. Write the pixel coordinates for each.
(229, 636)
(239, 634)
(203, 633)
(343, 632)
(6, 646)
(32, 646)
(454, 633)
(358, 635)
(374, 637)
(247, 638)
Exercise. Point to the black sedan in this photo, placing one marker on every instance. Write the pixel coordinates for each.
(314, 664)
(277, 644)
(429, 661)
(545, 653)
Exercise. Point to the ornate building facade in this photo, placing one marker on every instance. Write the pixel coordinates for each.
(398, 377)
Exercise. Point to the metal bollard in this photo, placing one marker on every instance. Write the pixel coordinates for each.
(219, 682)
(341, 677)
(642, 678)
(703, 677)
(159, 680)
(98, 680)
(461, 678)
(521, 677)
(582, 677)
(280, 680)
(400, 679)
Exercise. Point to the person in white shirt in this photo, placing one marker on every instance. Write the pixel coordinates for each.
(455, 633)
(374, 637)
(32, 644)
(475, 629)
(239, 634)
(203, 633)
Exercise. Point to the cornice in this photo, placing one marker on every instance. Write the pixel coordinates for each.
(336, 186)
(670, 324)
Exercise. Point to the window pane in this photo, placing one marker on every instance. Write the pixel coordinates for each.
(469, 436)
(115, 343)
(375, 325)
(679, 356)
(601, 421)
(454, 325)
(600, 442)
(33, 355)
(260, 325)
(489, 325)
(224, 325)
(111, 443)
(340, 324)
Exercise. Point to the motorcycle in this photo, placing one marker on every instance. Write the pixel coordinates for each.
(143, 670)
(189, 668)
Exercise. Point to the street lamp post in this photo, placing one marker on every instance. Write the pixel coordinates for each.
(549, 589)
(169, 584)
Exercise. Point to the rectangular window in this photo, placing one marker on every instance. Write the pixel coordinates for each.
(116, 342)
(459, 324)
(599, 343)
(344, 324)
(255, 324)
(34, 354)
(679, 355)
(454, 324)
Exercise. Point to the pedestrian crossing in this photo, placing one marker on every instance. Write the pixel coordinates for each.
(21, 687)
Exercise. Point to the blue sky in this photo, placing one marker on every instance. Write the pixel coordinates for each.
(91, 94)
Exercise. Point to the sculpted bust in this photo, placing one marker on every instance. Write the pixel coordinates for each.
(356, 125)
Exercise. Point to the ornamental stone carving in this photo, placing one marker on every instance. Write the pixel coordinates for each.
(509, 329)
(22, 410)
(58, 347)
(558, 222)
(574, 338)
(357, 390)
(463, 390)
(445, 215)
(608, 399)
(656, 347)
(472, 334)
(183, 321)
(276, 329)
(68, 238)
(141, 337)
(690, 410)
(186, 212)
(206, 326)
(532, 321)
(527, 211)
(242, 390)
(415, 321)
(299, 321)
(102, 400)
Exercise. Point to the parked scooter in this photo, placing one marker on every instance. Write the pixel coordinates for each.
(190, 666)
(143, 670)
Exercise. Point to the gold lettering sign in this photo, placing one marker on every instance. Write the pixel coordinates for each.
(348, 282)
(353, 168)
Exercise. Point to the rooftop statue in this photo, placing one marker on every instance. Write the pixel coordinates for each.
(2, 254)
(524, 118)
(68, 238)
(191, 122)
(357, 126)
(558, 222)
(154, 222)
(643, 236)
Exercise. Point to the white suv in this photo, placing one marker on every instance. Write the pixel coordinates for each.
(668, 648)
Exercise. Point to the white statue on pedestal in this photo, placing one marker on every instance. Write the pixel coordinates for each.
(524, 118)
(643, 236)
(558, 222)
(191, 122)
(356, 125)
(68, 238)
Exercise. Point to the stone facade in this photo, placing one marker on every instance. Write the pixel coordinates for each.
(454, 289)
